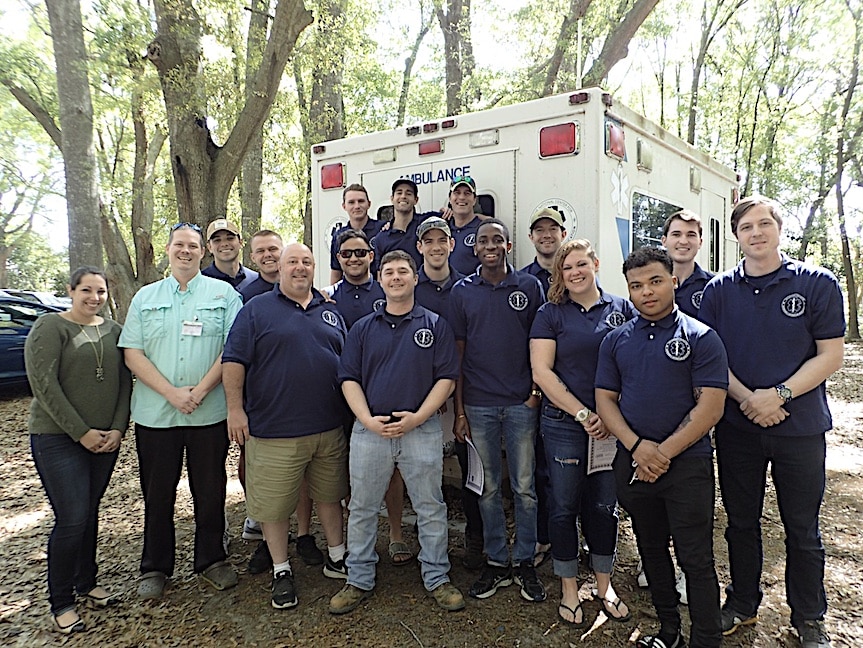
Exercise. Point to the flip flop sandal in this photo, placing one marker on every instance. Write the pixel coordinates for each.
(400, 549)
(614, 605)
(574, 611)
(541, 557)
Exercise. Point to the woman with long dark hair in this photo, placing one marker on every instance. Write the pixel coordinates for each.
(78, 416)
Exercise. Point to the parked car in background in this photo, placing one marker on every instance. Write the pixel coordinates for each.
(39, 296)
(16, 319)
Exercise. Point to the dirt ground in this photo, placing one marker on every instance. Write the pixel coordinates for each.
(400, 613)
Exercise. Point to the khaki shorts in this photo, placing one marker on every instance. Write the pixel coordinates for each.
(275, 468)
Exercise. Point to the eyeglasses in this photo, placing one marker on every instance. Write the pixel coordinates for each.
(190, 226)
(347, 254)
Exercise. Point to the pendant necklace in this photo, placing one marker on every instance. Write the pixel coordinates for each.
(100, 354)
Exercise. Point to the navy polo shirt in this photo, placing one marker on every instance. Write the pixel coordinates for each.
(494, 322)
(395, 239)
(462, 258)
(258, 287)
(356, 301)
(397, 362)
(688, 294)
(291, 356)
(370, 229)
(434, 297)
(655, 366)
(770, 332)
(540, 273)
(578, 334)
(243, 278)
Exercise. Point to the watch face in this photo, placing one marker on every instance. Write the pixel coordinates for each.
(582, 415)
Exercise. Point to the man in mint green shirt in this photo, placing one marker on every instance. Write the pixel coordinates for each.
(173, 339)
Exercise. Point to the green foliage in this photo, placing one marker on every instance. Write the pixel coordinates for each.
(33, 265)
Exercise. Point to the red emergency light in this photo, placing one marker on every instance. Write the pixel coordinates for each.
(561, 139)
(448, 123)
(615, 144)
(431, 127)
(333, 176)
(432, 146)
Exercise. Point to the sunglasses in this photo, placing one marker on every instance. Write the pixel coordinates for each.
(463, 179)
(347, 254)
(190, 226)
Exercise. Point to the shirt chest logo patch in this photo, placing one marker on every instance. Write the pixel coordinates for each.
(379, 304)
(517, 300)
(615, 319)
(794, 305)
(330, 318)
(695, 300)
(470, 240)
(677, 349)
(424, 338)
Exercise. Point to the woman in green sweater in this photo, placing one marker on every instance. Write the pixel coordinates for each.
(79, 413)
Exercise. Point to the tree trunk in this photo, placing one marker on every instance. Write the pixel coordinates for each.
(251, 198)
(458, 50)
(616, 46)
(76, 124)
(204, 171)
(425, 25)
(577, 9)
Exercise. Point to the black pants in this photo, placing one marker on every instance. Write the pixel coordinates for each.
(469, 499)
(679, 504)
(797, 468)
(160, 459)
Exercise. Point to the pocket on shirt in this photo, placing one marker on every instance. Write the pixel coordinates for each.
(212, 317)
(154, 318)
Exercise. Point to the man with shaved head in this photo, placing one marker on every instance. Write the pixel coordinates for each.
(288, 341)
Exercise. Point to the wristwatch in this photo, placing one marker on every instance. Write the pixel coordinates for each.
(582, 415)
(784, 392)
(536, 392)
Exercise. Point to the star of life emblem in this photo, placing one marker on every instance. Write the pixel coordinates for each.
(696, 298)
(470, 240)
(677, 349)
(615, 319)
(794, 305)
(330, 318)
(424, 338)
(518, 300)
(379, 304)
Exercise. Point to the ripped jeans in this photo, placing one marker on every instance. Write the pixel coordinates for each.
(574, 494)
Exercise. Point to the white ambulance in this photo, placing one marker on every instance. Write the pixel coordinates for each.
(613, 174)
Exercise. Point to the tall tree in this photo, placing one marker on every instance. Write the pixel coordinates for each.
(76, 124)
(203, 170)
(454, 19)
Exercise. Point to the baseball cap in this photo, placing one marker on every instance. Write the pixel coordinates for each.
(433, 222)
(222, 224)
(547, 212)
(408, 182)
(467, 181)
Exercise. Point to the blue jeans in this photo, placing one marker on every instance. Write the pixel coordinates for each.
(679, 504)
(75, 480)
(797, 467)
(372, 460)
(574, 493)
(511, 428)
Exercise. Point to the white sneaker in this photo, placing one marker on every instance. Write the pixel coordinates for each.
(681, 587)
(252, 530)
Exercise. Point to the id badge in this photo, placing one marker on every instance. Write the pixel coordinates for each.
(193, 328)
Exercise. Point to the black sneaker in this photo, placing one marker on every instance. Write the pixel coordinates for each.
(812, 635)
(657, 641)
(490, 579)
(261, 561)
(731, 620)
(284, 592)
(334, 569)
(531, 586)
(307, 549)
